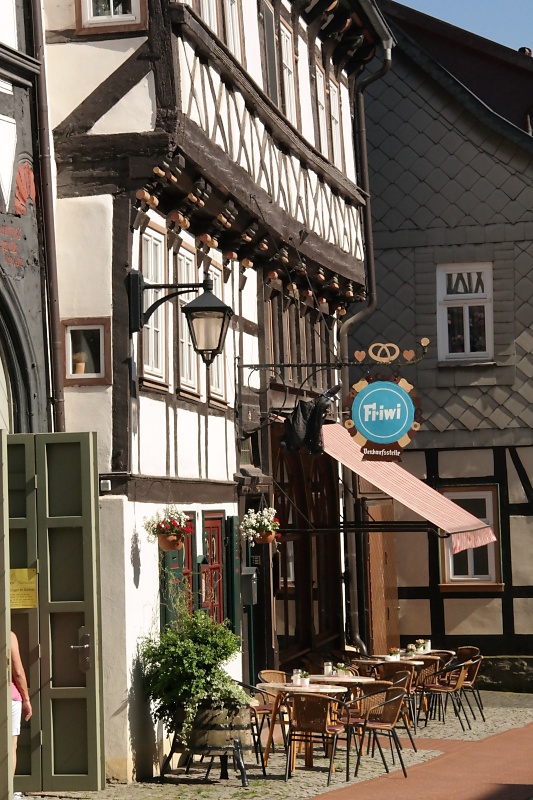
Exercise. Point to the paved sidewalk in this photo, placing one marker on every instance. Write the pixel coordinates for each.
(494, 761)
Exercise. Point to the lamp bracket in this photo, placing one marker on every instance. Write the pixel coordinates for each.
(137, 286)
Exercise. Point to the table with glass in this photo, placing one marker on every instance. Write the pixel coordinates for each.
(283, 689)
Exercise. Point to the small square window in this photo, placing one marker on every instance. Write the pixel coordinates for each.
(111, 15)
(465, 312)
(87, 344)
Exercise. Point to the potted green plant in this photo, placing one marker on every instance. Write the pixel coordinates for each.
(169, 528)
(190, 691)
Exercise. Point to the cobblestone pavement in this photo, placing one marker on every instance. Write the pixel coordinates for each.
(503, 711)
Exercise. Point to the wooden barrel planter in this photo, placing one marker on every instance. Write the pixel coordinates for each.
(214, 731)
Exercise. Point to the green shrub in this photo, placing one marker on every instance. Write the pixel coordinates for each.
(183, 668)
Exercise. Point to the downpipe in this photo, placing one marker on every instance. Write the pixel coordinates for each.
(49, 234)
(351, 565)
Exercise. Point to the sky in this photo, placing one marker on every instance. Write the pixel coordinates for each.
(509, 23)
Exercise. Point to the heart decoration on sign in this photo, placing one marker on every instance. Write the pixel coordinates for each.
(408, 355)
(360, 355)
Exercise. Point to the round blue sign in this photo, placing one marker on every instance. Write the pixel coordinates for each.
(383, 412)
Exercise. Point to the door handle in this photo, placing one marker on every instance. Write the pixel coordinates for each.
(84, 651)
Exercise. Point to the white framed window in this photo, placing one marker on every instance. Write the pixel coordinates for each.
(288, 77)
(208, 12)
(188, 359)
(465, 312)
(336, 135)
(217, 371)
(91, 14)
(233, 28)
(321, 111)
(154, 269)
(271, 52)
(478, 564)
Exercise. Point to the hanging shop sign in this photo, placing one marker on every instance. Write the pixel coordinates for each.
(385, 415)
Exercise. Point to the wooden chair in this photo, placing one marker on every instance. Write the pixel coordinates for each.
(314, 717)
(380, 720)
(261, 703)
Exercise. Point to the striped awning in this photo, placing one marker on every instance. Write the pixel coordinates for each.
(466, 529)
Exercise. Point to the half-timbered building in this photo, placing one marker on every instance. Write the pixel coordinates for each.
(450, 155)
(212, 137)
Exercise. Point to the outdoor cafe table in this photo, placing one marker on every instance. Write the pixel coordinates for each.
(344, 679)
(281, 689)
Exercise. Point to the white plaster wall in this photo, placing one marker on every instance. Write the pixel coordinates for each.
(347, 133)
(113, 647)
(77, 69)
(473, 617)
(521, 550)
(232, 450)
(466, 463)
(89, 408)
(187, 429)
(217, 467)
(415, 618)
(152, 437)
(412, 559)
(134, 113)
(84, 231)
(304, 88)
(141, 580)
(59, 15)
(516, 490)
(252, 50)
(523, 615)
(250, 354)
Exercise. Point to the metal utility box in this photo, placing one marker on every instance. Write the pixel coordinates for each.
(249, 586)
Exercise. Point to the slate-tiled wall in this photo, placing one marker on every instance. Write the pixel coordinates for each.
(448, 186)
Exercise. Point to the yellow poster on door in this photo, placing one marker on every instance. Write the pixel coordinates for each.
(23, 588)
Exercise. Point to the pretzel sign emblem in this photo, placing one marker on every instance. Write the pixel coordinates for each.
(383, 353)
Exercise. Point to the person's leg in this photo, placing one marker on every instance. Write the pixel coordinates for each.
(16, 713)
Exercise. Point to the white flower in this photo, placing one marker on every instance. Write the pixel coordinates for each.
(257, 522)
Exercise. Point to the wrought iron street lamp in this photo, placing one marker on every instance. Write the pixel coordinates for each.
(208, 317)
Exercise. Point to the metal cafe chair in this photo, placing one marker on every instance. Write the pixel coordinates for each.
(315, 717)
(447, 683)
(469, 687)
(380, 720)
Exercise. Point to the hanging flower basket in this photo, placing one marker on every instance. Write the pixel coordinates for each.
(264, 538)
(169, 527)
(259, 526)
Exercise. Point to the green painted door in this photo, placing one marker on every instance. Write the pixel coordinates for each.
(53, 510)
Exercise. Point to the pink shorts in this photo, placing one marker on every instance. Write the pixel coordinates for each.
(16, 714)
